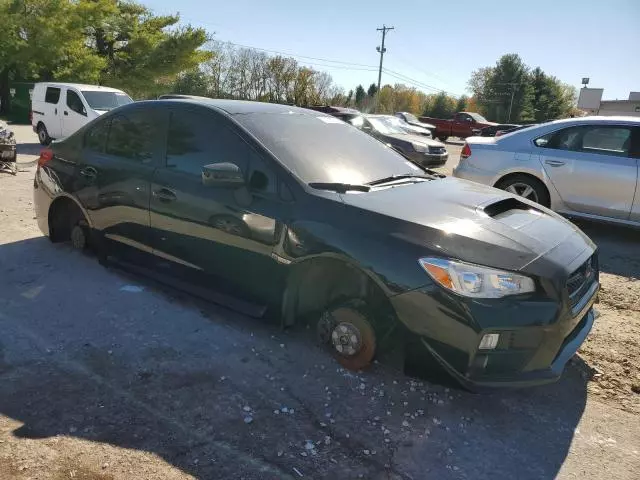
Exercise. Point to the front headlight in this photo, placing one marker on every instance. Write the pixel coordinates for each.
(418, 147)
(475, 280)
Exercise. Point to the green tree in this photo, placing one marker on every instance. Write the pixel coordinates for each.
(359, 96)
(371, 91)
(442, 106)
(461, 104)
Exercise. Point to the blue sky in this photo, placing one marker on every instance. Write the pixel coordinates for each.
(437, 44)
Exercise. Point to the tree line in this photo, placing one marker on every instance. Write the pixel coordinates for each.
(122, 44)
(108, 42)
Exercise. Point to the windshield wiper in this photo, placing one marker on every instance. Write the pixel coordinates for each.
(340, 187)
(401, 176)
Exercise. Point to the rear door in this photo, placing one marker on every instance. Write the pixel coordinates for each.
(74, 113)
(51, 118)
(591, 168)
(120, 154)
(206, 230)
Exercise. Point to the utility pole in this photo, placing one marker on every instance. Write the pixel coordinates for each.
(381, 49)
(513, 92)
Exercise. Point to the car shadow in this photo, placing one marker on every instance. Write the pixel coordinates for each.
(107, 357)
(619, 247)
(29, 148)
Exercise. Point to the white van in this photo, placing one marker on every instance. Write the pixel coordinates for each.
(59, 109)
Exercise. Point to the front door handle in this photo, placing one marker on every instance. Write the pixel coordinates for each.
(89, 172)
(164, 195)
(554, 163)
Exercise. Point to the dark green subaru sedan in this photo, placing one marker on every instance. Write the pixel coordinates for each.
(276, 209)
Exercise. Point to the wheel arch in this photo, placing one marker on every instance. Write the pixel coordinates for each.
(63, 203)
(316, 282)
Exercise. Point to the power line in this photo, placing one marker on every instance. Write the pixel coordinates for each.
(417, 83)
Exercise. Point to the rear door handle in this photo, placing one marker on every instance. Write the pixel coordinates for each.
(554, 163)
(89, 172)
(164, 194)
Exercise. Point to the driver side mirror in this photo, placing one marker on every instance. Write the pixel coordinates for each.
(223, 175)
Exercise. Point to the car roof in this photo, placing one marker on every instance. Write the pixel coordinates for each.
(597, 119)
(80, 86)
(239, 107)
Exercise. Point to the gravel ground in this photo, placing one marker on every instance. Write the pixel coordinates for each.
(104, 375)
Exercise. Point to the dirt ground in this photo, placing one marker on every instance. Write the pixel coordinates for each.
(105, 376)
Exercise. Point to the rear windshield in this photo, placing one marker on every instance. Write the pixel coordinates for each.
(324, 149)
(106, 100)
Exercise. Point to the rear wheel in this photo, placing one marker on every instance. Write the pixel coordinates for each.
(43, 135)
(526, 186)
(443, 138)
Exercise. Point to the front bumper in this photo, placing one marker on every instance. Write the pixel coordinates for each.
(537, 337)
(429, 159)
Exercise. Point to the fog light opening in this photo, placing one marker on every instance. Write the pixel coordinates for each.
(489, 341)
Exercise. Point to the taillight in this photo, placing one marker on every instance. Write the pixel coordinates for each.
(466, 151)
(46, 154)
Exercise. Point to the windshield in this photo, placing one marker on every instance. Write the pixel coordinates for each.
(325, 149)
(106, 100)
(386, 125)
(411, 117)
(477, 117)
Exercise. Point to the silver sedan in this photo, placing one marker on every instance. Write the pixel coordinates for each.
(583, 167)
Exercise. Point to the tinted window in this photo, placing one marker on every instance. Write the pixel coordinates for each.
(105, 100)
(74, 102)
(131, 136)
(317, 148)
(96, 138)
(261, 178)
(197, 139)
(52, 95)
(607, 140)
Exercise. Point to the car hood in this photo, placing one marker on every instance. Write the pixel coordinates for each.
(473, 222)
(412, 138)
(422, 124)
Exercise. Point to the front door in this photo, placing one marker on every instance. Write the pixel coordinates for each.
(226, 233)
(120, 154)
(74, 113)
(591, 168)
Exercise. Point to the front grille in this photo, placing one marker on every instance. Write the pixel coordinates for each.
(580, 280)
(437, 150)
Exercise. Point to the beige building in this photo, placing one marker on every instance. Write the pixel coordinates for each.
(590, 101)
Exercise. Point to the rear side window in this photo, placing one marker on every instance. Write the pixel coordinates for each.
(74, 103)
(599, 139)
(131, 136)
(197, 139)
(95, 139)
(52, 95)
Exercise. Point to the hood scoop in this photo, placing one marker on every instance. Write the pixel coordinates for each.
(501, 207)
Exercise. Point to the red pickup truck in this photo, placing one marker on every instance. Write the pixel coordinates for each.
(463, 125)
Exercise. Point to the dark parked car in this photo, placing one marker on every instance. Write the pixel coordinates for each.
(354, 239)
(7, 149)
(420, 149)
(491, 130)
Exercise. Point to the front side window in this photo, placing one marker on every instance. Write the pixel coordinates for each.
(52, 95)
(74, 103)
(95, 139)
(131, 136)
(197, 139)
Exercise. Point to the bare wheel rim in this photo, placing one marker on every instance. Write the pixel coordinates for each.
(78, 238)
(346, 339)
(523, 190)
